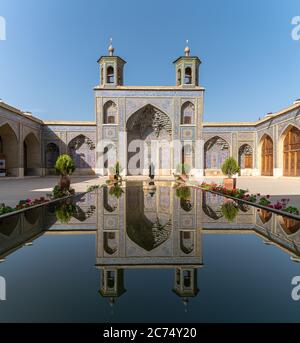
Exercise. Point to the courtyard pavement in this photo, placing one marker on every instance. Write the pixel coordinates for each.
(12, 190)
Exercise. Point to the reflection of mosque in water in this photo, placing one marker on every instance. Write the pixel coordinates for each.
(147, 227)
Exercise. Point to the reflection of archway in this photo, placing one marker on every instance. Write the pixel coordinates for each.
(289, 226)
(109, 202)
(32, 155)
(110, 242)
(266, 156)
(9, 148)
(216, 150)
(146, 225)
(33, 215)
(82, 150)
(211, 205)
(147, 130)
(8, 225)
(291, 152)
(187, 241)
(264, 216)
(147, 234)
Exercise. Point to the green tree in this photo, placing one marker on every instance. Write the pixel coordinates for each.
(230, 167)
(65, 166)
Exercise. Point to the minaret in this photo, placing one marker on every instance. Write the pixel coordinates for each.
(187, 69)
(111, 69)
(112, 284)
(185, 285)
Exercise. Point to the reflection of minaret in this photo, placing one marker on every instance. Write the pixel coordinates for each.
(112, 285)
(186, 283)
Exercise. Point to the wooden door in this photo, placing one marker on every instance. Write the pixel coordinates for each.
(291, 153)
(267, 157)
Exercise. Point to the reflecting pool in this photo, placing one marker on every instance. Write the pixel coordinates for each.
(149, 253)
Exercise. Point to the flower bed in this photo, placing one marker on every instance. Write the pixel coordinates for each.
(265, 202)
(22, 205)
(28, 203)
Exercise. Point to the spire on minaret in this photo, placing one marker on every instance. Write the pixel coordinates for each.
(187, 49)
(111, 48)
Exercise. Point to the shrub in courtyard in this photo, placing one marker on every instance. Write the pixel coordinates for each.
(65, 166)
(230, 167)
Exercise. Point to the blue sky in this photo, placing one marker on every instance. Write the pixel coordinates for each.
(250, 63)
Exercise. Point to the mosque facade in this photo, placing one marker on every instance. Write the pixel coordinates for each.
(163, 125)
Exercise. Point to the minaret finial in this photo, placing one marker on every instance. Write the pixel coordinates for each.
(187, 49)
(111, 48)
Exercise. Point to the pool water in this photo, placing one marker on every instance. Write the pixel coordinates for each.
(145, 253)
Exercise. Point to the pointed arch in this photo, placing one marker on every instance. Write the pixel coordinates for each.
(246, 156)
(266, 150)
(110, 74)
(188, 75)
(110, 113)
(9, 150)
(144, 126)
(216, 150)
(289, 149)
(82, 149)
(187, 113)
(31, 155)
(51, 155)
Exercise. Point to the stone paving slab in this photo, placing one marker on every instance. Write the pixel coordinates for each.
(11, 191)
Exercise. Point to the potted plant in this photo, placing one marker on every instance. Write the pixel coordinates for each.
(229, 168)
(115, 172)
(65, 166)
(182, 172)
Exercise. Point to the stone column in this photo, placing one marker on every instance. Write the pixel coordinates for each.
(21, 152)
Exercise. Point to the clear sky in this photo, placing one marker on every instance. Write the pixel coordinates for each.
(250, 63)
